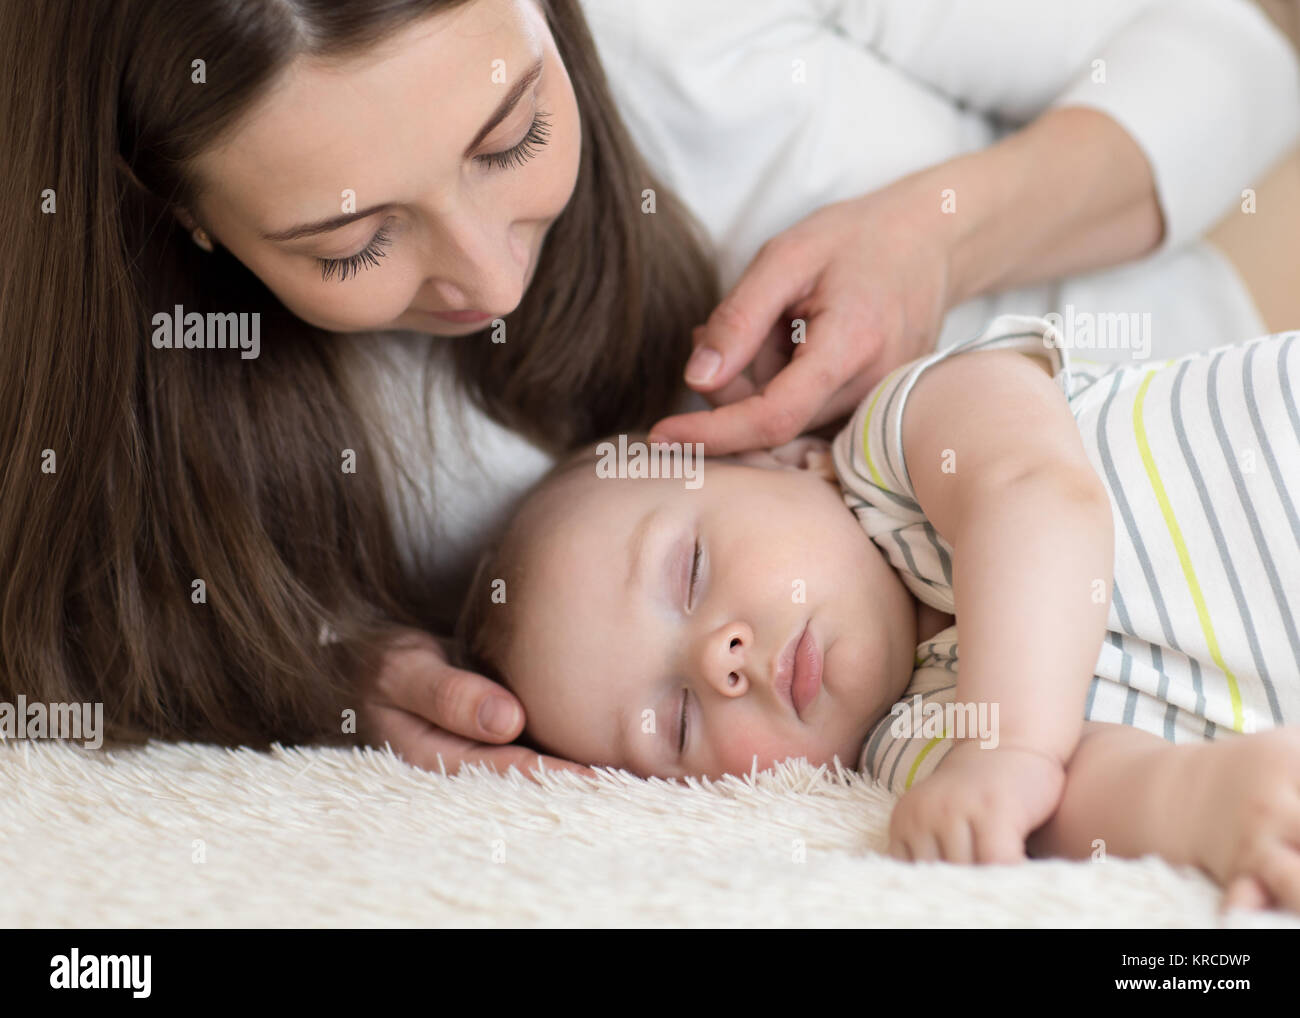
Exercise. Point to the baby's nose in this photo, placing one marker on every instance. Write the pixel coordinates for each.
(727, 657)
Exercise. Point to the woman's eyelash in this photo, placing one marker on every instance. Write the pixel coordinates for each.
(537, 135)
(367, 258)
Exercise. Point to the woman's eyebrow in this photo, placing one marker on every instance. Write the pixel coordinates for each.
(504, 110)
(516, 93)
(325, 225)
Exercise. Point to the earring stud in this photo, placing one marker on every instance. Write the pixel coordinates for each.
(201, 238)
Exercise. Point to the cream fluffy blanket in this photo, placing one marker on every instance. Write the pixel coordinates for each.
(181, 835)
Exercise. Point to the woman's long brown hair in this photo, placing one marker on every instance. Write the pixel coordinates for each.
(129, 473)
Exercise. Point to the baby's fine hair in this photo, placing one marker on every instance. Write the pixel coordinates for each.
(486, 625)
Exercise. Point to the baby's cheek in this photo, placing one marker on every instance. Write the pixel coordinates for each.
(738, 747)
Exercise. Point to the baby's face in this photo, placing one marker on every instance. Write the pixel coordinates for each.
(754, 609)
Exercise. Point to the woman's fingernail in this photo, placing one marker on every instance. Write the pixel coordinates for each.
(655, 438)
(703, 365)
(498, 716)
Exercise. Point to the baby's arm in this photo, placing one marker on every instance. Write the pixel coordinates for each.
(1126, 789)
(1231, 807)
(999, 468)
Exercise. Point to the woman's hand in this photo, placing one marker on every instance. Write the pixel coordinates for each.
(873, 277)
(868, 277)
(424, 708)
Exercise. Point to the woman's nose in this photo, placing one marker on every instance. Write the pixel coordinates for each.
(725, 657)
(480, 267)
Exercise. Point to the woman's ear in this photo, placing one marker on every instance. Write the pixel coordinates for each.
(197, 233)
(806, 453)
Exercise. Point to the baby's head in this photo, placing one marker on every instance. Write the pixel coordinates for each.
(751, 594)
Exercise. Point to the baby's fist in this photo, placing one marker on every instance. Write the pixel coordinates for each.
(979, 806)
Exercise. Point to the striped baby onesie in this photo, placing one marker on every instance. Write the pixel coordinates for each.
(1201, 459)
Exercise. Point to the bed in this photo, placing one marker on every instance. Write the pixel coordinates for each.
(175, 835)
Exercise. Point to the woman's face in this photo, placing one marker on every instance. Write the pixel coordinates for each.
(459, 138)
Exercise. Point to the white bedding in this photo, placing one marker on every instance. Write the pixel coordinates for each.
(350, 838)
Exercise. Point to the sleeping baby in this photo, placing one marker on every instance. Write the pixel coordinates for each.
(1119, 544)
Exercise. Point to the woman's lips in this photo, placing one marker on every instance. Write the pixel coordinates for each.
(799, 671)
(461, 317)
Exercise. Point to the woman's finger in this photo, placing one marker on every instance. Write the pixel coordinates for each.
(766, 363)
(838, 405)
(463, 703)
(780, 275)
(423, 745)
(501, 758)
(670, 429)
(413, 739)
(774, 354)
(866, 362)
(740, 387)
(773, 417)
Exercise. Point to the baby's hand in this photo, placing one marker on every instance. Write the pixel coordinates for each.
(978, 806)
(1243, 802)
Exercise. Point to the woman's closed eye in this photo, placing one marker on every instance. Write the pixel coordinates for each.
(538, 134)
(367, 257)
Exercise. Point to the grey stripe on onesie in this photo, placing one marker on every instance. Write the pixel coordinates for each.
(1201, 459)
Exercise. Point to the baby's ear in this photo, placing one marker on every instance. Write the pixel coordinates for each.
(807, 453)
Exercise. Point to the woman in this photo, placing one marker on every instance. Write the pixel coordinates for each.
(201, 518)
(249, 549)
(964, 161)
